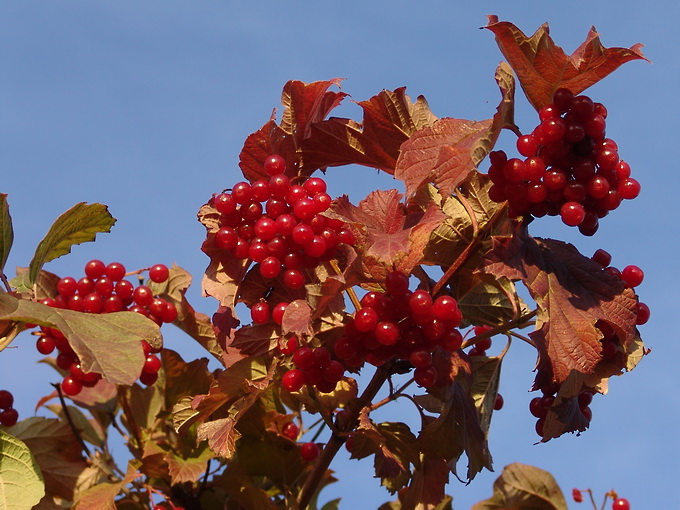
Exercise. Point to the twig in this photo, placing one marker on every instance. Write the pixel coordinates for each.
(336, 441)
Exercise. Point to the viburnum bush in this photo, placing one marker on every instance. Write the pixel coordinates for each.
(408, 288)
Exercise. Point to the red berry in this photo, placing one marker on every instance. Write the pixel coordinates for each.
(9, 417)
(572, 213)
(620, 504)
(45, 345)
(71, 386)
(576, 494)
(115, 271)
(293, 380)
(304, 358)
(498, 402)
(148, 378)
(425, 376)
(260, 312)
(290, 430)
(274, 164)
(152, 364)
(288, 346)
(602, 257)
(366, 319)
(67, 286)
(642, 314)
(95, 269)
(6, 399)
(159, 273)
(293, 278)
(632, 276)
(309, 451)
(396, 283)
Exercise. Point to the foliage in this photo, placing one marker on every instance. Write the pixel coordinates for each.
(202, 439)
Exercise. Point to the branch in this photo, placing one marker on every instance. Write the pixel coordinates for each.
(311, 484)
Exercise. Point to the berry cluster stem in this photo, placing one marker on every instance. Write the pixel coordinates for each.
(336, 441)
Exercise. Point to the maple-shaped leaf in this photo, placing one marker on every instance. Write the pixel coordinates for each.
(457, 429)
(189, 469)
(447, 151)
(390, 117)
(426, 491)
(389, 233)
(443, 153)
(238, 389)
(542, 67)
(522, 486)
(305, 104)
(572, 292)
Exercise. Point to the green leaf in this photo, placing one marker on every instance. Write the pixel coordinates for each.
(524, 487)
(79, 224)
(21, 483)
(109, 344)
(6, 231)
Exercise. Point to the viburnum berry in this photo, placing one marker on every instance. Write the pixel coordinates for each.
(6, 399)
(290, 430)
(274, 164)
(71, 386)
(309, 451)
(632, 276)
(620, 504)
(293, 380)
(498, 402)
(159, 273)
(9, 417)
(577, 495)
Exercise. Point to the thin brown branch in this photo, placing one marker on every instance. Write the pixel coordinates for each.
(324, 460)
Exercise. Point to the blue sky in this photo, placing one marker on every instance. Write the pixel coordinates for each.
(144, 106)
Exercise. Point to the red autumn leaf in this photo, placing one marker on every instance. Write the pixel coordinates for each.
(297, 318)
(441, 153)
(305, 104)
(427, 487)
(387, 232)
(389, 119)
(572, 293)
(542, 67)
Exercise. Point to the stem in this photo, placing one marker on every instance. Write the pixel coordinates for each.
(477, 238)
(5, 282)
(76, 433)
(311, 484)
(350, 291)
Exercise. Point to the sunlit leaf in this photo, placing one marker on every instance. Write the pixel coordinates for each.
(542, 67)
(78, 225)
(21, 482)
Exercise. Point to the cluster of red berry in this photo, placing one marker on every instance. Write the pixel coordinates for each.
(631, 275)
(539, 406)
(8, 415)
(103, 289)
(569, 168)
(279, 224)
(403, 324)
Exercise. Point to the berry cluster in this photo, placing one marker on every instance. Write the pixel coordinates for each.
(403, 324)
(632, 276)
(314, 368)
(569, 167)
(8, 415)
(539, 406)
(103, 289)
(279, 225)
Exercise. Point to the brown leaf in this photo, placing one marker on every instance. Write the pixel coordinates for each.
(542, 67)
(305, 104)
(524, 487)
(572, 293)
(102, 495)
(389, 119)
(426, 491)
(444, 153)
(297, 318)
(389, 234)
